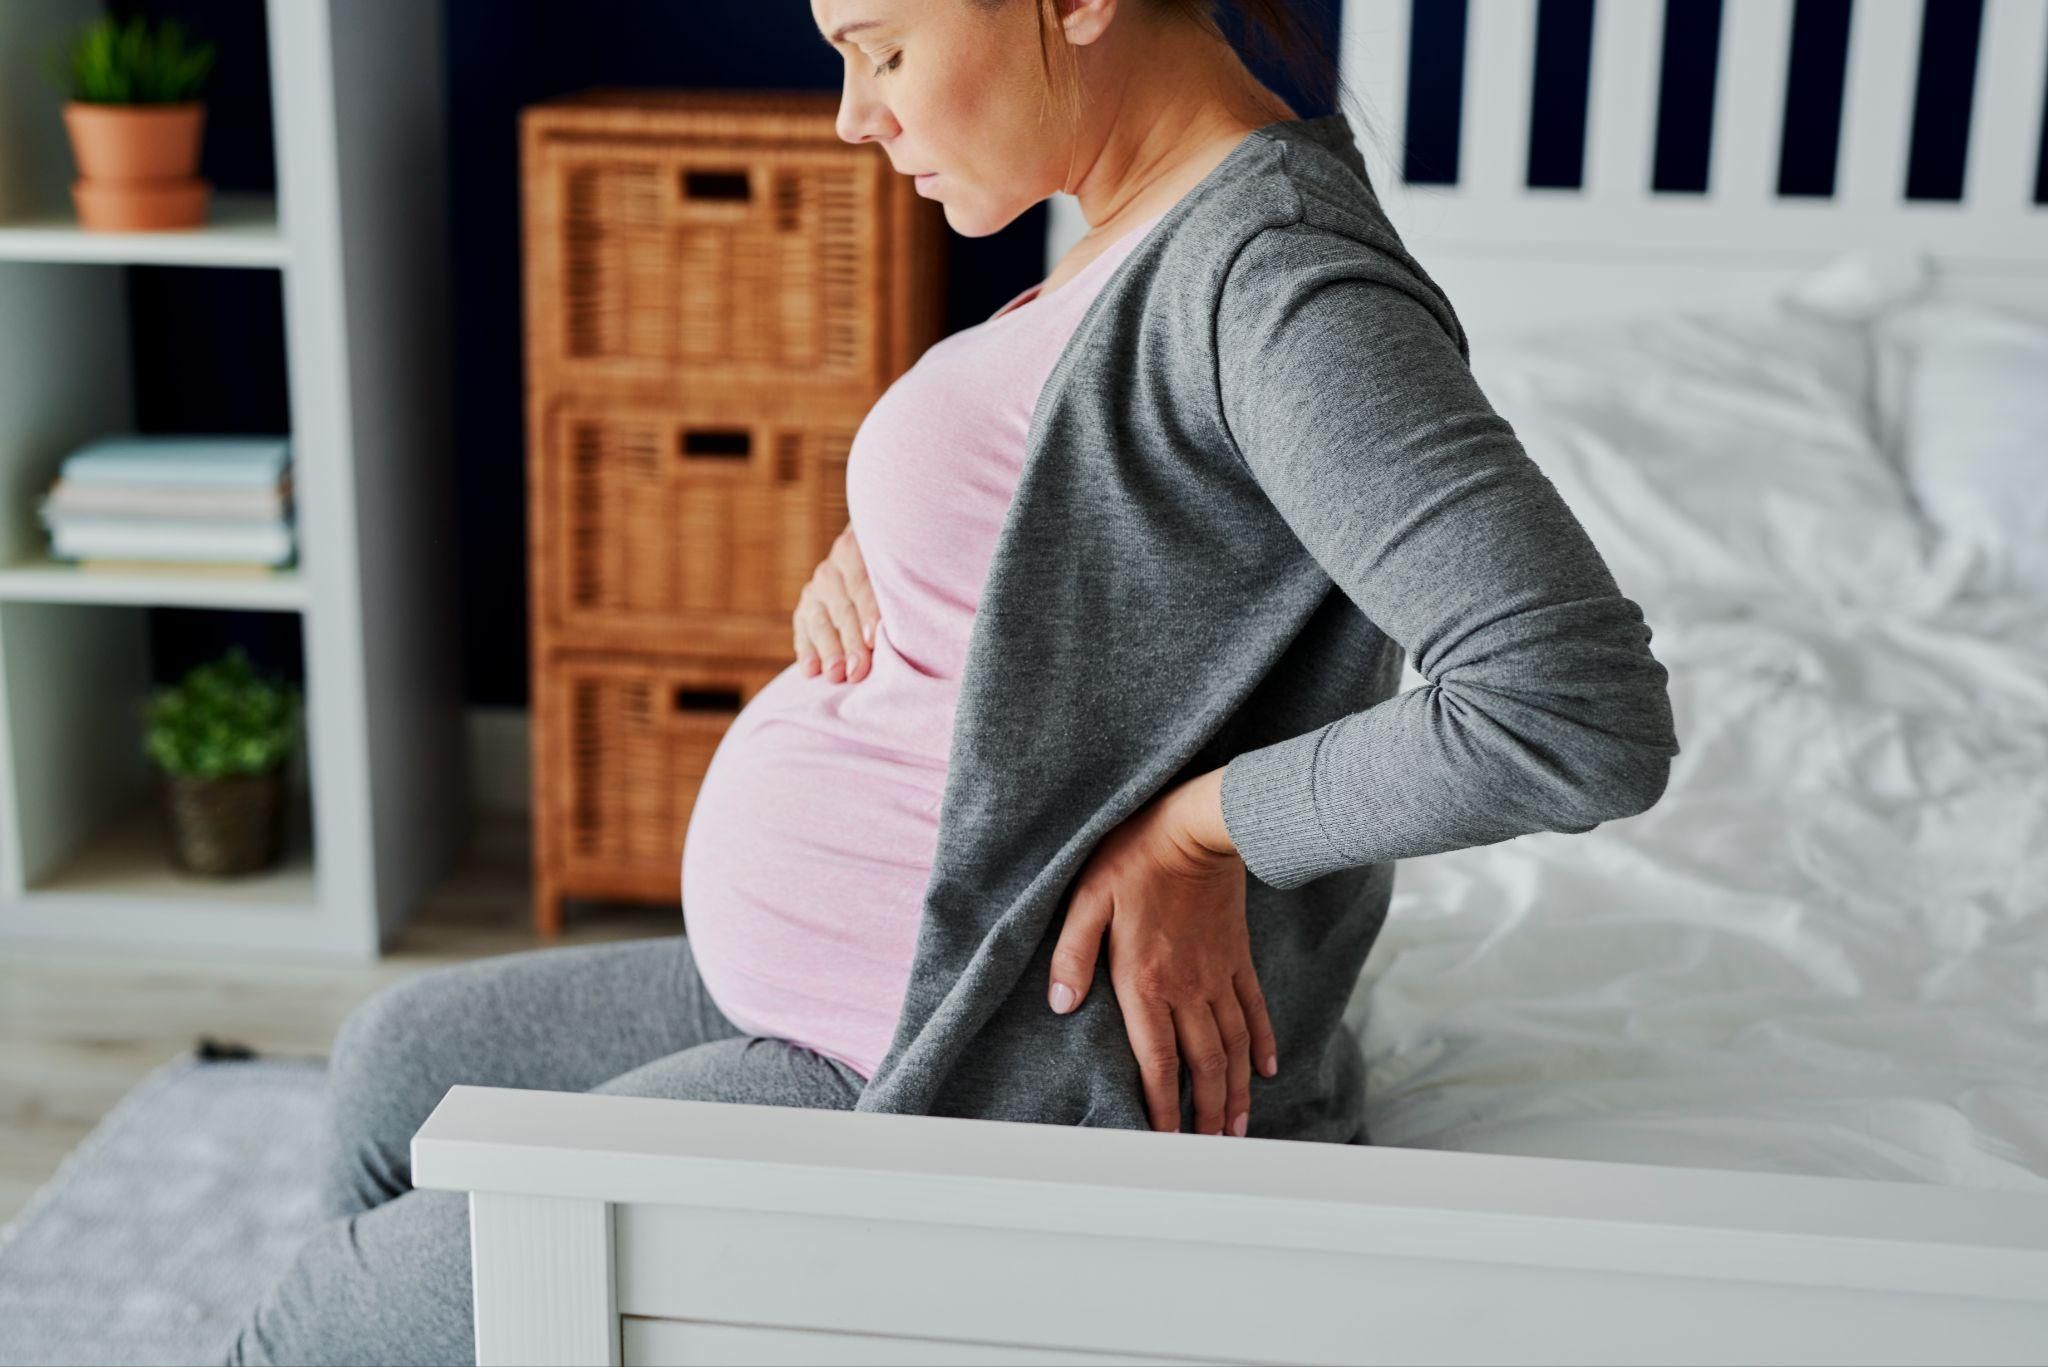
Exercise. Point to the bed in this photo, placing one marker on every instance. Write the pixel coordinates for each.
(1758, 1075)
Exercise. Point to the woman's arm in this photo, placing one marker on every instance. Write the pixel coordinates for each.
(1351, 403)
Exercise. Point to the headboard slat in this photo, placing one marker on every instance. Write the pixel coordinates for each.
(1622, 110)
(1373, 55)
(1749, 100)
(2012, 74)
(1877, 105)
(1500, 63)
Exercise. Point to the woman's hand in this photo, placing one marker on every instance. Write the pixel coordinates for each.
(1167, 886)
(834, 621)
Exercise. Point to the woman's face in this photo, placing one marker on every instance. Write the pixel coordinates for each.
(948, 87)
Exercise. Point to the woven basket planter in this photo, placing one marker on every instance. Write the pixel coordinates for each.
(224, 826)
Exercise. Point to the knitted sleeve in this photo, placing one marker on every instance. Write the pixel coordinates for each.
(1344, 386)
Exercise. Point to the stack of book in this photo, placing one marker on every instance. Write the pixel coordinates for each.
(222, 501)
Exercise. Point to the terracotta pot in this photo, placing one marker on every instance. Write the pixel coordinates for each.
(135, 141)
(136, 165)
(141, 206)
(227, 825)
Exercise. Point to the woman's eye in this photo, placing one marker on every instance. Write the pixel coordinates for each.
(889, 65)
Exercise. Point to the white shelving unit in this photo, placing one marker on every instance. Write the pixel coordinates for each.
(357, 231)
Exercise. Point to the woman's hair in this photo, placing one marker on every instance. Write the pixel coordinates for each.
(1275, 26)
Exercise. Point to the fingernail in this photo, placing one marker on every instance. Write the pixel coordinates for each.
(868, 633)
(1239, 1125)
(1270, 1066)
(1062, 998)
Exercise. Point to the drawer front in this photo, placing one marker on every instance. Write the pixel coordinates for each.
(739, 264)
(686, 530)
(625, 744)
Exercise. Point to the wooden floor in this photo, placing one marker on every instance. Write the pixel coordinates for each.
(78, 1029)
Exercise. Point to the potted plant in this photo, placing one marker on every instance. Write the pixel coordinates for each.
(220, 740)
(134, 117)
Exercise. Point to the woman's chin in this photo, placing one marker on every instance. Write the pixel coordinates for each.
(970, 221)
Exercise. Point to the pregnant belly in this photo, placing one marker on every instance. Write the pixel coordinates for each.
(804, 870)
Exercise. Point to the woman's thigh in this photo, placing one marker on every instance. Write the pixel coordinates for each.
(392, 1284)
(746, 1070)
(555, 1019)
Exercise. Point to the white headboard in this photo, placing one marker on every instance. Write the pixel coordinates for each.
(1513, 257)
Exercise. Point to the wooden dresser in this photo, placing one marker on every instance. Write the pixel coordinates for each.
(717, 289)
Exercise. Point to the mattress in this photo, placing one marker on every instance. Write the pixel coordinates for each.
(1825, 949)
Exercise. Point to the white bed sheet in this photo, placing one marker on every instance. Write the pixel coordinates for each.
(1824, 951)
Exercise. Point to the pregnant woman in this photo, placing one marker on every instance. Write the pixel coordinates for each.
(1081, 800)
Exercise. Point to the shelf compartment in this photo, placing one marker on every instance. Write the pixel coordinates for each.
(85, 840)
(39, 579)
(243, 231)
(129, 859)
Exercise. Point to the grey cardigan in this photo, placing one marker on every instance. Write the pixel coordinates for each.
(1258, 472)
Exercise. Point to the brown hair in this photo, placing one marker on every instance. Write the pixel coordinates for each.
(1276, 28)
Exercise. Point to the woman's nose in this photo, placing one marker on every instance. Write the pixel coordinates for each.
(862, 118)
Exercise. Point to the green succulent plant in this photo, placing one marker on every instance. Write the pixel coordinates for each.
(111, 62)
(222, 719)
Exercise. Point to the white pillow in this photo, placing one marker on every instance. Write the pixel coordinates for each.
(1729, 454)
(1861, 286)
(1963, 409)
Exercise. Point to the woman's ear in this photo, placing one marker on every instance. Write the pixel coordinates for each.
(1086, 20)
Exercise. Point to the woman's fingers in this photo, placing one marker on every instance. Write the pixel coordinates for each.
(853, 569)
(1265, 1052)
(1201, 1048)
(824, 637)
(813, 630)
(1237, 1055)
(847, 626)
(806, 653)
(1150, 1026)
(1073, 956)
(826, 615)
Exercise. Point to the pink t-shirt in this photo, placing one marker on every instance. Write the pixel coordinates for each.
(811, 842)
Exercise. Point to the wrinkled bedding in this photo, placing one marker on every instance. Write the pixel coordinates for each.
(1825, 950)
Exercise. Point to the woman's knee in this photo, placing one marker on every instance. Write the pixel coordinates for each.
(378, 1035)
(378, 1079)
(390, 1285)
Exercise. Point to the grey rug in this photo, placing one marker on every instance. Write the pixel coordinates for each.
(159, 1231)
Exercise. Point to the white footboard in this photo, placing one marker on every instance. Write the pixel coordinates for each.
(615, 1229)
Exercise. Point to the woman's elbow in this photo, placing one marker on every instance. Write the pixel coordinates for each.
(1627, 772)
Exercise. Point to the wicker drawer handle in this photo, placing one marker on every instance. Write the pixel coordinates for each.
(717, 443)
(717, 185)
(707, 699)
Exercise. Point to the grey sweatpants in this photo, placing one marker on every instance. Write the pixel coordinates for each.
(386, 1278)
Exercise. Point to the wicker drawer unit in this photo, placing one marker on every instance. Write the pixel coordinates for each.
(717, 290)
